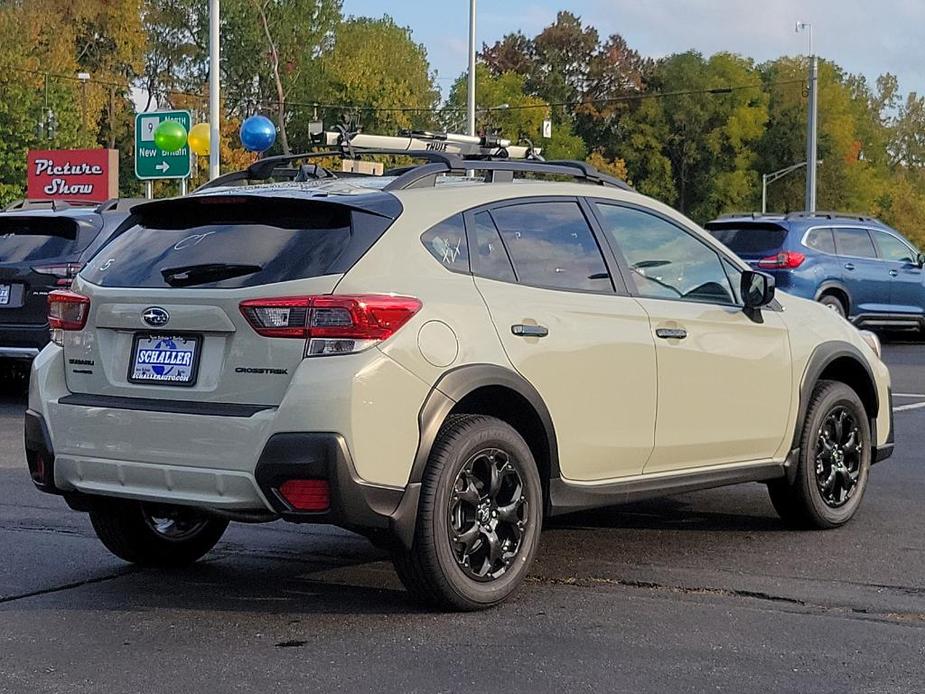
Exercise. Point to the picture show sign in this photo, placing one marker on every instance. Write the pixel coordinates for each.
(73, 174)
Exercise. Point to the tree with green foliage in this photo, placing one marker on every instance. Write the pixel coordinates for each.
(377, 70)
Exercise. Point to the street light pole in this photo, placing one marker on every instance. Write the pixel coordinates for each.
(471, 95)
(773, 176)
(214, 97)
(811, 120)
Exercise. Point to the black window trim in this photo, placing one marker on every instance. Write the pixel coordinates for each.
(618, 286)
(704, 239)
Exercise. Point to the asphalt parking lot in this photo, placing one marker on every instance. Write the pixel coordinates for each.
(700, 592)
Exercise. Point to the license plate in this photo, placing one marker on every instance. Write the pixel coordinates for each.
(170, 360)
(4, 294)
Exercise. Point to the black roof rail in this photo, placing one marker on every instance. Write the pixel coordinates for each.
(502, 171)
(830, 215)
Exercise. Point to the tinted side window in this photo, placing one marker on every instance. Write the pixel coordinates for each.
(821, 240)
(665, 261)
(447, 243)
(855, 243)
(551, 245)
(891, 248)
(493, 261)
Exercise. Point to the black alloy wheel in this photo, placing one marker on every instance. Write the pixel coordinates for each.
(487, 515)
(838, 457)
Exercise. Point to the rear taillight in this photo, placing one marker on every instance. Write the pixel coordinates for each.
(331, 324)
(67, 311)
(64, 272)
(785, 260)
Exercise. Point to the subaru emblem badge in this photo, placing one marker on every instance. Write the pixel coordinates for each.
(155, 316)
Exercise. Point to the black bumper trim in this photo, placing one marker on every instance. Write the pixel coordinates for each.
(214, 409)
(40, 455)
(355, 505)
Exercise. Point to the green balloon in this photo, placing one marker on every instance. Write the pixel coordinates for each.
(170, 136)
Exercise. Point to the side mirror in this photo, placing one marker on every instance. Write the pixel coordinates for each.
(920, 259)
(757, 289)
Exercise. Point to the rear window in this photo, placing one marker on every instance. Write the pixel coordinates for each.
(230, 246)
(749, 239)
(27, 239)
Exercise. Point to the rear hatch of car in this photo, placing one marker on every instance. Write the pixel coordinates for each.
(38, 253)
(165, 317)
(752, 241)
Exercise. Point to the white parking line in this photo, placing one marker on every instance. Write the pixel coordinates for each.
(913, 406)
(909, 395)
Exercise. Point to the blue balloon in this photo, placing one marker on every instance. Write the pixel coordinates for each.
(258, 134)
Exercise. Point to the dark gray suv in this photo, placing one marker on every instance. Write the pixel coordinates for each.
(43, 245)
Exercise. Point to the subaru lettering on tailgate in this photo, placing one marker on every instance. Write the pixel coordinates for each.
(166, 359)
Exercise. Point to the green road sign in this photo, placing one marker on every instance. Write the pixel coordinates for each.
(152, 162)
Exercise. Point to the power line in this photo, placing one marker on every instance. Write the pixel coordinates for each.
(641, 96)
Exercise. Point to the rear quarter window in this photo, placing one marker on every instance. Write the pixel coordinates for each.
(447, 243)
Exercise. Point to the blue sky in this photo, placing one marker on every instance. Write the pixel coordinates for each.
(860, 35)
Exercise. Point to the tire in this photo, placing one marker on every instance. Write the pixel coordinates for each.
(832, 302)
(457, 495)
(131, 531)
(833, 464)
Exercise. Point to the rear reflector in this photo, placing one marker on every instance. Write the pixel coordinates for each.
(306, 495)
(67, 311)
(785, 260)
(331, 324)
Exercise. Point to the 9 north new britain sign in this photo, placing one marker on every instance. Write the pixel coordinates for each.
(152, 162)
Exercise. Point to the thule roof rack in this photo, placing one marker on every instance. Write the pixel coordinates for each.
(445, 154)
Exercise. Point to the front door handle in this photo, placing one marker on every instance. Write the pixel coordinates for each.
(893, 273)
(521, 330)
(671, 333)
(849, 266)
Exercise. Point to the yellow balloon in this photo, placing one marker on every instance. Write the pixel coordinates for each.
(199, 139)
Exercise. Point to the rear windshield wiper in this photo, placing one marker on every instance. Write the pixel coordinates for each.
(190, 275)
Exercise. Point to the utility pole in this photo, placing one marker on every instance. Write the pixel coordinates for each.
(471, 94)
(214, 97)
(811, 120)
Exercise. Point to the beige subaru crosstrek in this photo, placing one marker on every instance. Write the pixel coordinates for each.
(438, 359)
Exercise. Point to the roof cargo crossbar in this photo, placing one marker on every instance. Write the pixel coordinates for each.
(503, 170)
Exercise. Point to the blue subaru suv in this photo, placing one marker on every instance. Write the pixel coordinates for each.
(857, 266)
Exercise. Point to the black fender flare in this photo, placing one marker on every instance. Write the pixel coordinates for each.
(824, 355)
(456, 384)
(451, 388)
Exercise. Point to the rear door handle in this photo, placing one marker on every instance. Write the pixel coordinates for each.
(521, 330)
(671, 333)
(849, 266)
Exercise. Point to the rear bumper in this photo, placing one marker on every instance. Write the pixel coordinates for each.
(354, 504)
